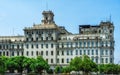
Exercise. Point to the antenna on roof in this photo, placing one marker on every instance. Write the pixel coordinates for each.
(13, 32)
(110, 18)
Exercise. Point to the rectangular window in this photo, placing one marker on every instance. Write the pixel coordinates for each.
(96, 44)
(80, 52)
(102, 60)
(71, 52)
(22, 53)
(76, 52)
(18, 47)
(62, 45)
(80, 44)
(41, 52)
(110, 44)
(84, 52)
(106, 60)
(58, 45)
(92, 44)
(88, 44)
(3, 46)
(46, 38)
(67, 60)
(111, 61)
(92, 52)
(106, 52)
(57, 52)
(62, 60)
(13, 47)
(46, 53)
(51, 38)
(111, 53)
(76, 44)
(27, 53)
(12, 53)
(46, 45)
(17, 53)
(84, 44)
(0, 53)
(57, 60)
(96, 52)
(51, 45)
(32, 53)
(51, 60)
(96, 60)
(67, 52)
(7, 46)
(32, 46)
(62, 52)
(36, 45)
(106, 44)
(92, 59)
(71, 44)
(7, 53)
(22, 46)
(36, 39)
(41, 38)
(51, 52)
(102, 44)
(0, 47)
(67, 44)
(88, 52)
(102, 52)
(41, 45)
(37, 53)
(3, 53)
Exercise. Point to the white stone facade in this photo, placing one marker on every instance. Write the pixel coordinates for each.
(58, 46)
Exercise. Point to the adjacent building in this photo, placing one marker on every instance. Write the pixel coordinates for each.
(58, 46)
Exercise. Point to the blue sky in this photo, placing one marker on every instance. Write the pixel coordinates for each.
(17, 14)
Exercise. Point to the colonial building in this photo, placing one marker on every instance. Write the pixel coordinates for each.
(58, 46)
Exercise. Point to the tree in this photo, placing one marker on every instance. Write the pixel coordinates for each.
(88, 65)
(39, 65)
(58, 69)
(3, 60)
(67, 69)
(85, 64)
(111, 69)
(11, 64)
(27, 64)
(19, 60)
(76, 64)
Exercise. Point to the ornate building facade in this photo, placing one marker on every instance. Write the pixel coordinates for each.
(58, 46)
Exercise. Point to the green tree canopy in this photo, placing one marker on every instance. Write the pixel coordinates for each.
(88, 65)
(11, 64)
(39, 65)
(3, 61)
(76, 64)
(83, 63)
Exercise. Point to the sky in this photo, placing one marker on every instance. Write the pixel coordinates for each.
(15, 15)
